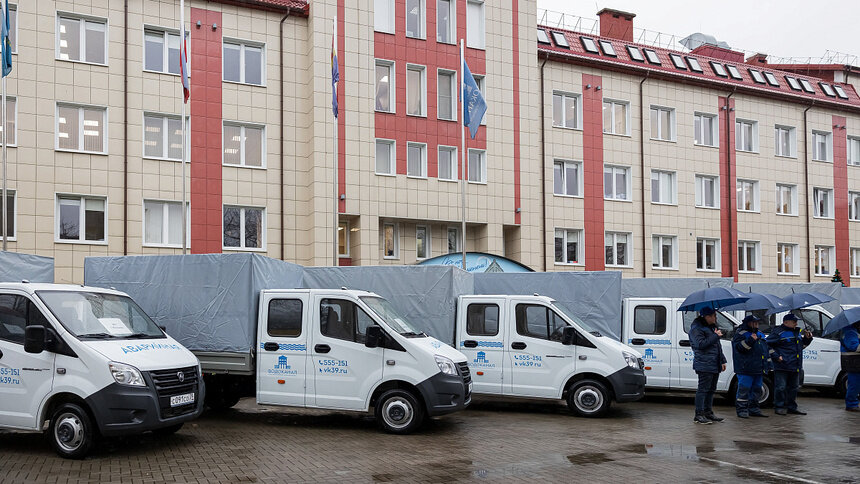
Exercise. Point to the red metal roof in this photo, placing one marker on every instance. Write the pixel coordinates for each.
(295, 7)
(623, 63)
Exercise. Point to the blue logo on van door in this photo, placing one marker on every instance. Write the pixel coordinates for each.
(481, 361)
(282, 368)
(282, 363)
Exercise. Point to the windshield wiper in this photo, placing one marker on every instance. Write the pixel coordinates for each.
(142, 336)
(413, 334)
(97, 336)
(596, 333)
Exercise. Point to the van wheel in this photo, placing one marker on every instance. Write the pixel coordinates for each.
(167, 431)
(398, 412)
(589, 398)
(766, 397)
(72, 433)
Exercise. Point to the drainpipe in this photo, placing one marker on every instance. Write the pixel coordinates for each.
(729, 189)
(125, 131)
(281, 145)
(543, 166)
(642, 169)
(806, 190)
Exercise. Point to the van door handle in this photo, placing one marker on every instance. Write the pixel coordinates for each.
(823, 351)
(470, 343)
(322, 348)
(518, 345)
(271, 346)
(1, 354)
(684, 342)
(637, 341)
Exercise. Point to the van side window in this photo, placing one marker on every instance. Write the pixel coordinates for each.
(539, 321)
(344, 320)
(285, 318)
(649, 320)
(724, 323)
(13, 317)
(482, 320)
(813, 320)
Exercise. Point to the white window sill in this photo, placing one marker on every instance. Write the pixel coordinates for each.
(416, 37)
(482, 47)
(570, 128)
(664, 268)
(752, 152)
(749, 211)
(818, 217)
(449, 180)
(854, 219)
(243, 166)
(166, 73)
(822, 161)
(667, 204)
(569, 264)
(854, 164)
(384, 112)
(621, 135)
(823, 275)
(81, 62)
(393, 175)
(343, 256)
(156, 158)
(244, 249)
(390, 258)
(423, 115)
(66, 150)
(618, 267)
(791, 274)
(707, 208)
(664, 140)
(790, 157)
(707, 270)
(749, 272)
(560, 195)
(417, 177)
(243, 83)
(787, 214)
(390, 32)
(80, 242)
(477, 182)
(446, 119)
(9, 239)
(699, 145)
(625, 200)
(164, 246)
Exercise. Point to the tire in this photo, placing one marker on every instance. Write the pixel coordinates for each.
(72, 432)
(841, 386)
(589, 398)
(766, 398)
(399, 412)
(219, 397)
(167, 431)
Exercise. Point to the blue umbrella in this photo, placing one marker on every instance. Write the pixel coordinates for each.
(714, 297)
(772, 304)
(805, 299)
(842, 320)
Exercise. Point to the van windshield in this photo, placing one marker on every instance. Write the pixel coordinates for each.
(573, 317)
(385, 310)
(93, 315)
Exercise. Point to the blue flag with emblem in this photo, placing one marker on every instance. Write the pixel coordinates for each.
(335, 72)
(474, 106)
(7, 44)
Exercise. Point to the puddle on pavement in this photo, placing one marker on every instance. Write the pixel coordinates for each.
(589, 458)
(816, 437)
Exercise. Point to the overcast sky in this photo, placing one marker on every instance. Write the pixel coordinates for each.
(784, 28)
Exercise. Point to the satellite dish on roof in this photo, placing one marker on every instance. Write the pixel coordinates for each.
(694, 41)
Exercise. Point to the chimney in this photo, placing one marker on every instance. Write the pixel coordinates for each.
(709, 50)
(757, 59)
(616, 24)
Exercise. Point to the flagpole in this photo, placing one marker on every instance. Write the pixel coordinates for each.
(3, 103)
(183, 67)
(463, 156)
(334, 145)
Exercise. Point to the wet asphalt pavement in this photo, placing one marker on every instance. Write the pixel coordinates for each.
(650, 441)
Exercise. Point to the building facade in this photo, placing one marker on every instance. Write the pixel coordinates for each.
(591, 157)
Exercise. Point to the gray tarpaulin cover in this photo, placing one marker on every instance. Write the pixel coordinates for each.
(850, 296)
(207, 302)
(425, 295)
(670, 287)
(15, 267)
(833, 289)
(595, 297)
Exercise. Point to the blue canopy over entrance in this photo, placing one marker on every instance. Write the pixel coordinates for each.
(477, 262)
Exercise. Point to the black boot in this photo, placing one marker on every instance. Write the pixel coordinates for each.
(710, 416)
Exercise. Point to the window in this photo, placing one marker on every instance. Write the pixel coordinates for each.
(81, 40)
(385, 86)
(824, 260)
(589, 45)
(475, 24)
(447, 163)
(341, 319)
(11, 118)
(81, 128)
(416, 91)
(719, 69)
(454, 240)
(854, 206)
(567, 178)
(560, 40)
(285, 318)
(822, 146)
(771, 79)
(823, 202)
(664, 251)
(662, 123)
(786, 199)
(756, 76)
(786, 257)
(617, 247)
(244, 145)
(828, 91)
(244, 62)
(162, 223)
(539, 321)
(707, 190)
(477, 166)
(748, 256)
(390, 241)
(616, 117)
(243, 228)
(746, 135)
(162, 136)
(447, 95)
(10, 213)
(416, 160)
(807, 86)
(415, 23)
(635, 53)
(705, 129)
(694, 64)
(565, 110)
(792, 82)
(384, 157)
(543, 38)
(707, 254)
(734, 72)
(748, 196)
(678, 61)
(840, 92)
(161, 51)
(607, 48)
(649, 320)
(854, 151)
(663, 187)
(616, 183)
(422, 242)
(567, 246)
(343, 239)
(785, 141)
(855, 262)
(13, 27)
(383, 16)
(652, 56)
(81, 219)
(13, 317)
(479, 81)
(482, 320)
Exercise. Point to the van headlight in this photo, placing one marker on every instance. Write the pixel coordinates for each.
(446, 366)
(632, 360)
(126, 374)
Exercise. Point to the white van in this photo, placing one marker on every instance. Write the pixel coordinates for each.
(654, 326)
(534, 347)
(341, 349)
(80, 362)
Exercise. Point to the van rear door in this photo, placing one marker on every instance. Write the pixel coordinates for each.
(282, 355)
(647, 328)
(481, 338)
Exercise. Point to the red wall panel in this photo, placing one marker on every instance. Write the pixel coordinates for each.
(592, 142)
(840, 198)
(728, 182)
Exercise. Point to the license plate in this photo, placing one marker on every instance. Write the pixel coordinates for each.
(178, 400)
(470, 387)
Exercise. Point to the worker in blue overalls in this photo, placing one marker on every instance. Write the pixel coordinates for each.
(850, 348)
(786, 343)
(750, 358)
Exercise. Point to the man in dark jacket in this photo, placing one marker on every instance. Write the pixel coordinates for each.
(850, 348)
(750, 358)
(786, 351)
(708, 362)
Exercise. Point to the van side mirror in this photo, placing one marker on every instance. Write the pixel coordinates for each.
(568, 336)
(375, 337)
(34, 339)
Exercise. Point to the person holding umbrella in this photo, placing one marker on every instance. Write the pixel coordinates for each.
(786, 344)
(750, 358)
(850, 349)
(708, 362)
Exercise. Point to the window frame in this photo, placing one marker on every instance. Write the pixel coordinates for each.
(855, 262)
(795, 250)
(694, 64)
(580, 249)
(452, 24)
(756, 190)
(628, 177)
(828, 139)
(756, 244)
(165, 223)
(80, 109)
(715, 135)
(699, 180)
(13, 28)
(564, 95)
(652, 56)
(612, 103)
(458, 238)
(243, 44)
(345, 225)
(628, 251)
(61, 14)
(423, 70)
(242, 210)
(164, 117)
(816, 212)
(423, 151)
(754, 145)
(453, 102)
(483, 160)
(831, 260)
(579, 177)
(242, 150)
(81, 240)
(657, 308)
(792, 141)
(395, 240)
(852, 161)
(674, 182)
(734, 72)
(794, 201)
(14, 220)
(678, 62)
(659, 239)
(422, 19)
(392, 88)
(455, 176)
(392, 156)
(853, 209)
(607, 48)
(673, 129)
(391, 24)
(301, 317)
(14, 100)
(637, 57)
(428, 237)
(543, 39)
(485, 307)
(719, 69)
(165, 32)
(703, 242)
(482, 23)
